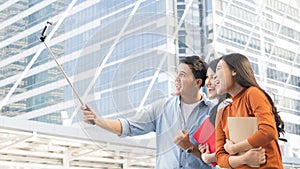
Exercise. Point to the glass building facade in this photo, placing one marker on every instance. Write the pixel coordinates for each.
(267, 33)
(44, 91)
(121, 55)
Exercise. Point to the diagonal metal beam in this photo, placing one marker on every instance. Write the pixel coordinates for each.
(7, 4)
(155, 76)
(11, 91)
(258, 19)
(107, 56)
(15, 141)
(219, 29)
(289, 77)
(263, 79)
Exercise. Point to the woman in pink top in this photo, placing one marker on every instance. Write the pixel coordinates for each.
(235, 76)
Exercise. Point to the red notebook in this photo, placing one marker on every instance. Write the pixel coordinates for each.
(206, 134)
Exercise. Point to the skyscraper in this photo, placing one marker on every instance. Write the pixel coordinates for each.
(121, 55)
(266, 32)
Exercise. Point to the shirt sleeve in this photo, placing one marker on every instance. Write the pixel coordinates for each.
(262, 109)
(221, 155)
(141, 123)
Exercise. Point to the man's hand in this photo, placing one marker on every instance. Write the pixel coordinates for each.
(182, 139)
(89, 114)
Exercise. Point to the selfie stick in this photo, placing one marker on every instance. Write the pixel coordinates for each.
(42, 38)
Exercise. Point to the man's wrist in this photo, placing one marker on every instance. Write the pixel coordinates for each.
(190, 149)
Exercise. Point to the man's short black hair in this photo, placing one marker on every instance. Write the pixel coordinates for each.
(198, 67)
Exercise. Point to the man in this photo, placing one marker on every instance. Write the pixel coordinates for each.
(186, 109)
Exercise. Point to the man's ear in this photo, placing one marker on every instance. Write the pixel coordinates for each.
(199, 82)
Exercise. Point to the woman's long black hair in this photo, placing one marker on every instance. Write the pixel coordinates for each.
(245, 77)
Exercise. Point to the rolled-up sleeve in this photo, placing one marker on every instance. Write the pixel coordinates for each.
(125, 127)
(142, 122)
(221, 154)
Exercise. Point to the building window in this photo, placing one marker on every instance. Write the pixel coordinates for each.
(295, 80)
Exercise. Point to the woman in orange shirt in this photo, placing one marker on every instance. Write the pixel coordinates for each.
(235, 76)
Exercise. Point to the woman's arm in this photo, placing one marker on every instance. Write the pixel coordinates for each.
(233, 149)
(221, 154)
(259, 107)
(253, 157)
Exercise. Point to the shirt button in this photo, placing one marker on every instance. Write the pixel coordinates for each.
(181, 166)
(181, 150)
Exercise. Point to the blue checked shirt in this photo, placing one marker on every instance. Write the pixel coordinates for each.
(165, 118)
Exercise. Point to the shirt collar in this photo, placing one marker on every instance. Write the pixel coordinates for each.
(203, 101)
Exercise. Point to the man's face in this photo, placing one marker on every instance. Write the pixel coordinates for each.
(185, 82)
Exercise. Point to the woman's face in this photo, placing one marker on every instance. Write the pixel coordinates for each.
(224, 78)
(210, 84)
